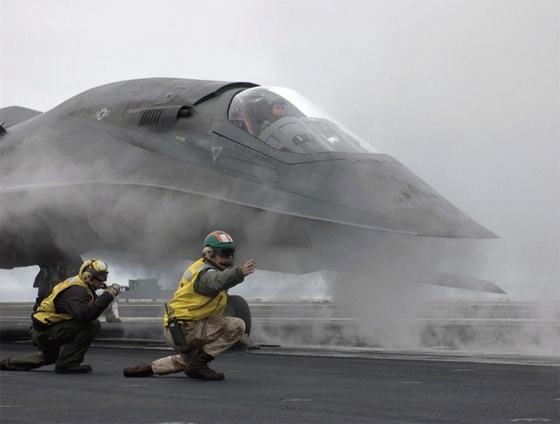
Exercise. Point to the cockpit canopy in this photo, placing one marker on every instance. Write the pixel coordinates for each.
(287, 121)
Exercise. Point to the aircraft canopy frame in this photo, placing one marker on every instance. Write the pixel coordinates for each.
(303, 128)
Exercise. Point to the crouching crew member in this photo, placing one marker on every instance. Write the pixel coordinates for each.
(197, 311)
(69, 316)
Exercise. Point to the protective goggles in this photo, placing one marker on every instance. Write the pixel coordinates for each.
(100, 275)
(226, 252)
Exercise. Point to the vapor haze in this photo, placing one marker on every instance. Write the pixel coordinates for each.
(463, 93)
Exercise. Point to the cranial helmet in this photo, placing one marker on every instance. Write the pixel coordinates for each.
(218, 239)
(219, 243)
(93, 268)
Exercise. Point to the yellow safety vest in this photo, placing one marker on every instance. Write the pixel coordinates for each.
(46, 312)
(187, 305)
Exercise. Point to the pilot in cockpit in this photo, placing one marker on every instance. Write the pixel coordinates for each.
(276, 109)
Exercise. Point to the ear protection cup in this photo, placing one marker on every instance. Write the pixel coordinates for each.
(208, 252)
(87, 276)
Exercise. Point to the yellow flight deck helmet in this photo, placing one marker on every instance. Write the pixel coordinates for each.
(93, 268)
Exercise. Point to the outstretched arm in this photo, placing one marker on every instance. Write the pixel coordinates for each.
(211, 282)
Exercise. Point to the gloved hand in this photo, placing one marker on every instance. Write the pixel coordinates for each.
(114, 289)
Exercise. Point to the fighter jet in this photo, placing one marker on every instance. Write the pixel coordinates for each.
(150, 166)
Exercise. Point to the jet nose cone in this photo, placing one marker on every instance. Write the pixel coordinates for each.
(380, 192)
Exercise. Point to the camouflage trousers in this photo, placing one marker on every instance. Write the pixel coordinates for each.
(214, 335)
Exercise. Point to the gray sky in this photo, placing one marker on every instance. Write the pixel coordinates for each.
(464, 93)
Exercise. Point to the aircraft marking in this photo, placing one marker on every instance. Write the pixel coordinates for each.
(99, 115)
(257, 155)
(215, 152)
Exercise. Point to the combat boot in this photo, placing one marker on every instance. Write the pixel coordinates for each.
(4, 365)
(140, 370)
(76, 369)
(198, 368)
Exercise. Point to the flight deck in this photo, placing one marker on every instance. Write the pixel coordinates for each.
(288, 379)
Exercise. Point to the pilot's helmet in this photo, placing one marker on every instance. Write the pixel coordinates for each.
(275, 101)
(219, 242)
(93, 268)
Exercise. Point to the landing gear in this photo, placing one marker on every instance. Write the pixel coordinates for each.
(51, 274)
(238, 307)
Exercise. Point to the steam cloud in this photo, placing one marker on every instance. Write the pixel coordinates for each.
(469, 104)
